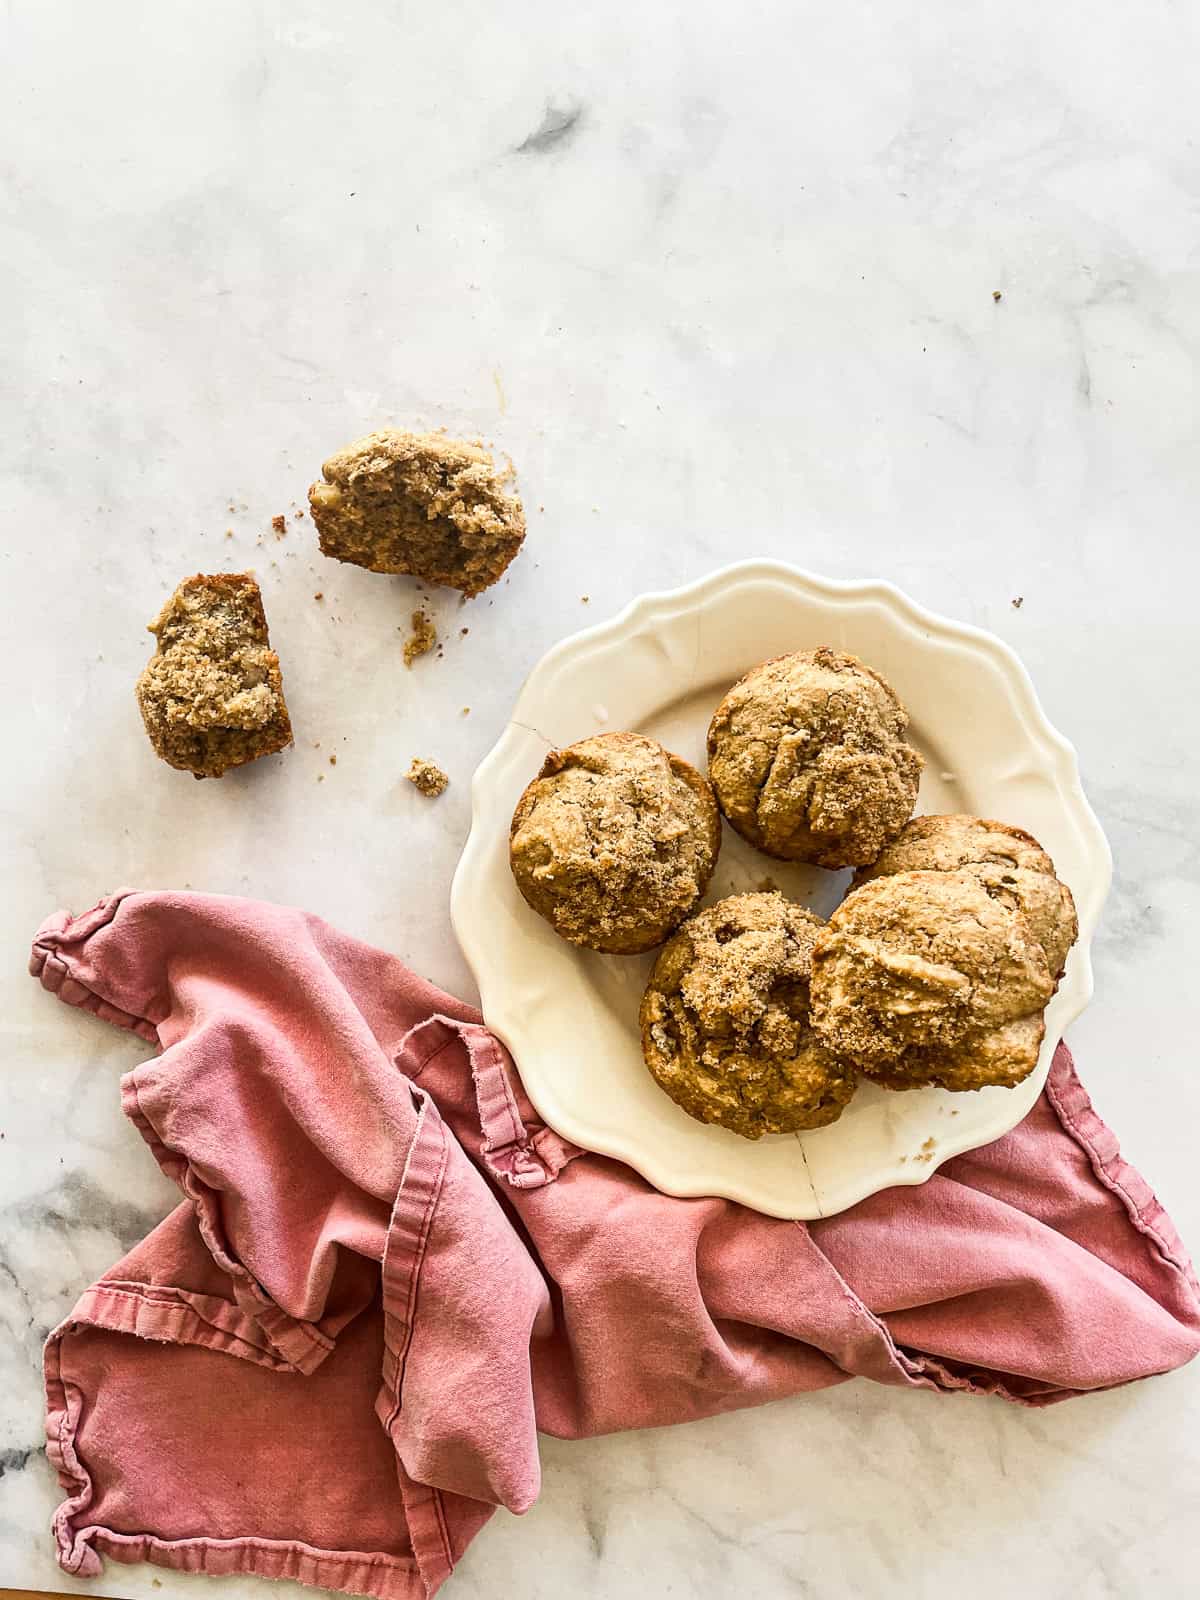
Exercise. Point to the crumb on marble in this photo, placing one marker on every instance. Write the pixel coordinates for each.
(584, 598)
(1018, 602)
(427, 778)
(422, 638)
(333, 761)
(996, 295)
(279, 523)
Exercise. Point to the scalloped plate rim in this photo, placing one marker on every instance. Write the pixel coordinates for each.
(630, 619)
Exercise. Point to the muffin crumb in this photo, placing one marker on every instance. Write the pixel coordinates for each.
(427, 778)
(279, 523)
(422, 638)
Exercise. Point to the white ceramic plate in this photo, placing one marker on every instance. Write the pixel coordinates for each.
(570, 1016)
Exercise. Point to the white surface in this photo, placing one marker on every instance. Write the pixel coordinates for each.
(743, 306)
(662, 667)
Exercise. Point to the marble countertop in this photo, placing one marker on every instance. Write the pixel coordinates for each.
(910, 292)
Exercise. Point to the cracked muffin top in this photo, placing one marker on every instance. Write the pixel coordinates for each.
(809, 761)
(419, 503)
(931, 977)
(614, 842)
(1007, 861)
(725, 1021)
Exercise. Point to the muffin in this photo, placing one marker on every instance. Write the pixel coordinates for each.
(928, 977)
(436, 508)
(1007, 861)
(809, 761)
(211, 696)
(614, 842)
(725, 1021)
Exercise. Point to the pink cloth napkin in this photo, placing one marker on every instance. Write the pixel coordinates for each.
(331, 1361)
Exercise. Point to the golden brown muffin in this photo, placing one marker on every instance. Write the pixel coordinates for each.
(614, 842)
(211, 696)
(809, 761)
(926, 977)
(725, 1021)
(437, 508)
(1007, 861)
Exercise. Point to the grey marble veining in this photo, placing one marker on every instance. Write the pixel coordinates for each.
(722, 282)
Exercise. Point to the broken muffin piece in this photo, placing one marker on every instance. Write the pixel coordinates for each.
(422, 504)
(211, 696)
(427, 777)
